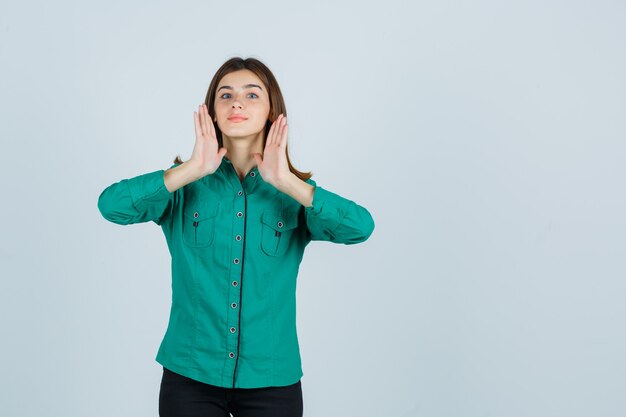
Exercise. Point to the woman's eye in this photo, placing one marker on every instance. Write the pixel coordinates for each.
(227, 94)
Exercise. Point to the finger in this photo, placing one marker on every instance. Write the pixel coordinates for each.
(196, 123)
(277, 130)
(210, 121)
(270, 134)
(202, 120)
(283, 139)
(213, 125)
(283, 136)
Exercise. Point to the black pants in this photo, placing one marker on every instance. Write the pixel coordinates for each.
(185, 397)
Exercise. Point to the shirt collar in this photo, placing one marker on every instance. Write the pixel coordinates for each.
(250, 181)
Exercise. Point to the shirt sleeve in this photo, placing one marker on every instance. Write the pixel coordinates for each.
(336, 219)
(138, 199)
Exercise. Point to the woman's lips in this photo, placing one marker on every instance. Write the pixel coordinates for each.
(237, 119)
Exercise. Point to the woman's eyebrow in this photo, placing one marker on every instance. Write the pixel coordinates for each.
(245, 86)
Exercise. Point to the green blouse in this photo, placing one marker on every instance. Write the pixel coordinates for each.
(236, 246)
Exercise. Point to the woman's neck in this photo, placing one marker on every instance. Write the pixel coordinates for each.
(240, 151)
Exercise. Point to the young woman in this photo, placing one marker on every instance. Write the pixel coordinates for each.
(236, 217)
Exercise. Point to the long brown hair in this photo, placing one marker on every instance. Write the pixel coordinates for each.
(277, 103)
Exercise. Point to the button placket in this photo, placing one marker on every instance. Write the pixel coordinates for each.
(232, 346)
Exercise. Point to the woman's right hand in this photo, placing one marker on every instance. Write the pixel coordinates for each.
(206, 156)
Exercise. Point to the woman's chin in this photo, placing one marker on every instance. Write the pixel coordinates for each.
(235, 133)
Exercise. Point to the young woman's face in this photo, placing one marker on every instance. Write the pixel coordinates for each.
(241, 93)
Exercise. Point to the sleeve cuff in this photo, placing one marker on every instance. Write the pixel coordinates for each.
(321, 197)
(148, 187)
(318, 201)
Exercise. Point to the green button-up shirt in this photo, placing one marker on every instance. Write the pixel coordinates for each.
(236, 247)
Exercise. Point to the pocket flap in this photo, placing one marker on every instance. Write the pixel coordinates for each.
(280, 221)
(201, 210)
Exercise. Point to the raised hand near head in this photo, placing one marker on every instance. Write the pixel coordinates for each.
(206, 155)
(272, 165)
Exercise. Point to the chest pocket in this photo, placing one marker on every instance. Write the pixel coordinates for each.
(199, 223)
(277, 229)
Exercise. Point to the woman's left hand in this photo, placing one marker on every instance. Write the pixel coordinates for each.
(273, 165)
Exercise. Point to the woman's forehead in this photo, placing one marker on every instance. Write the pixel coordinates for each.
(241, 79)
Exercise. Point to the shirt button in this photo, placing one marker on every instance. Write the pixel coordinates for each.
(279, 224)
(236, 261)
(231, 355)
(238, 237)
(240, 192)
(239, 214)
(252, 174)
(233, 330)
(235, 283)
(195, 215)
(234, 305)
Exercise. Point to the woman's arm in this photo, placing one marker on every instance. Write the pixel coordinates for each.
(146, 197)
(330, 216)
(181, 175)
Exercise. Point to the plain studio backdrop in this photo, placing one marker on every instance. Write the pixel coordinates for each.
(486, 138)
